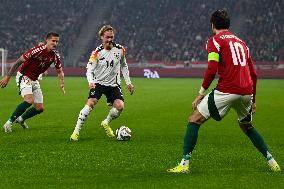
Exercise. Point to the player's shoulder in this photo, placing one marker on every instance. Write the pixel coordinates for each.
(119, 47)
(116, 45)
(213, 44)
(38, 48)
(98, 48)
(34, 51)
(95, 53)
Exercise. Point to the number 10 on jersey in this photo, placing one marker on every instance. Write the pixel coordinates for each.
(238, 53)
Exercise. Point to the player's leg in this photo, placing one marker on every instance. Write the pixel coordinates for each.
(36, 109)
(115, 96)
(25, 87)
(94, 96)
(195, 121)
(243, 109)
(215, 105)
(115, 111)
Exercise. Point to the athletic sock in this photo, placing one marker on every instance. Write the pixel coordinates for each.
(190, 140)
(30, 113)
(113, 114)
(82, 118)
(21, 108)
(259, 143)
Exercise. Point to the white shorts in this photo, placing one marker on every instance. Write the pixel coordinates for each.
(27, 86)
(217, 104)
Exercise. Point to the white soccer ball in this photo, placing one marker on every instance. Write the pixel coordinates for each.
(123, 133)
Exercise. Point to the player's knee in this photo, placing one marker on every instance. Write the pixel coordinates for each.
(92, 102)
(119, 105)
(196, 117)
(245, 127)
(29, 99)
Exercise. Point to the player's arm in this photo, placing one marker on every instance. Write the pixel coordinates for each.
(254, 80)
(60, 74)
(13, 69)
(90, 69)
(59, 71)
(125, 72)
(213, 60)
(208, 78)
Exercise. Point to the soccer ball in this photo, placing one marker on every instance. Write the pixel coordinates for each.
(123, 133)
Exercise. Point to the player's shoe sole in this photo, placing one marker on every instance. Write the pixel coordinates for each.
(107, 129)
(22, 123)
(7, 128)
(74, 137)
(179, 169)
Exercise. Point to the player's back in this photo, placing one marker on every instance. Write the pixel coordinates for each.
(233, 66)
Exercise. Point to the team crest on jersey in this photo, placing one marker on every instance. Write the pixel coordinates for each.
(116, 55)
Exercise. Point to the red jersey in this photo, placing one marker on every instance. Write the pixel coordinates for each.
(229, 55)
(38, 60)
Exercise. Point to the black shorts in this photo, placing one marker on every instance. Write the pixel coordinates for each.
(111, 93)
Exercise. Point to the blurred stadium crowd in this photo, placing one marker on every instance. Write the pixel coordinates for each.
(26, 22)
(164, 30)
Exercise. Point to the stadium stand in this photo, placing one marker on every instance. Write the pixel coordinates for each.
(163, 30)
(24, 23)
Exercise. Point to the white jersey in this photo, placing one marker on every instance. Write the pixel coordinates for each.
(104, 66)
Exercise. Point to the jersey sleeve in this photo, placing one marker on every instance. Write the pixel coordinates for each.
(253, 76)
(33, 52)
(91, 66)
(213, 48)
(124, 67)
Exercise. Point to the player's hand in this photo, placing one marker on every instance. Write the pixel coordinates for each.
(62, 88)
(130, 88)
(4, 82)
(253, 106)
(92, 85)
(197, 101)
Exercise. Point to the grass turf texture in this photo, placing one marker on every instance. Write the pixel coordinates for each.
(43, 157)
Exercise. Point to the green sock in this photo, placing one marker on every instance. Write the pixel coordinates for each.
(190, 139)
(30, 113)
(21, 108)
(258, 142)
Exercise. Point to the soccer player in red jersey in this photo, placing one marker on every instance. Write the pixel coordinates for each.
(229, 56)
(33, 63)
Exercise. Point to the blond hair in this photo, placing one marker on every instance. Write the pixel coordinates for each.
(105, 28)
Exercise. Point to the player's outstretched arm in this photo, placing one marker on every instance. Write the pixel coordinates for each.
(4, 82)
(60, 74)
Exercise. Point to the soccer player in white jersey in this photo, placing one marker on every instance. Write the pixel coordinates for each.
(103, 75)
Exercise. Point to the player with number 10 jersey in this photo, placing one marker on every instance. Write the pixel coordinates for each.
(230, 56)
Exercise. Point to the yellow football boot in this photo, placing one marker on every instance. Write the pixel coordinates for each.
(74, 137)
(179, 169)
(107, 129)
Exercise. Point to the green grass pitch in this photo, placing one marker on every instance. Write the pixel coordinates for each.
(43, 156)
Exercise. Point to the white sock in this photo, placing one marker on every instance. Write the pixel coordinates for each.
(20, 119)
(184, 162)
(113, 114)
(82, 118)
(9, 122)
(271, 162)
